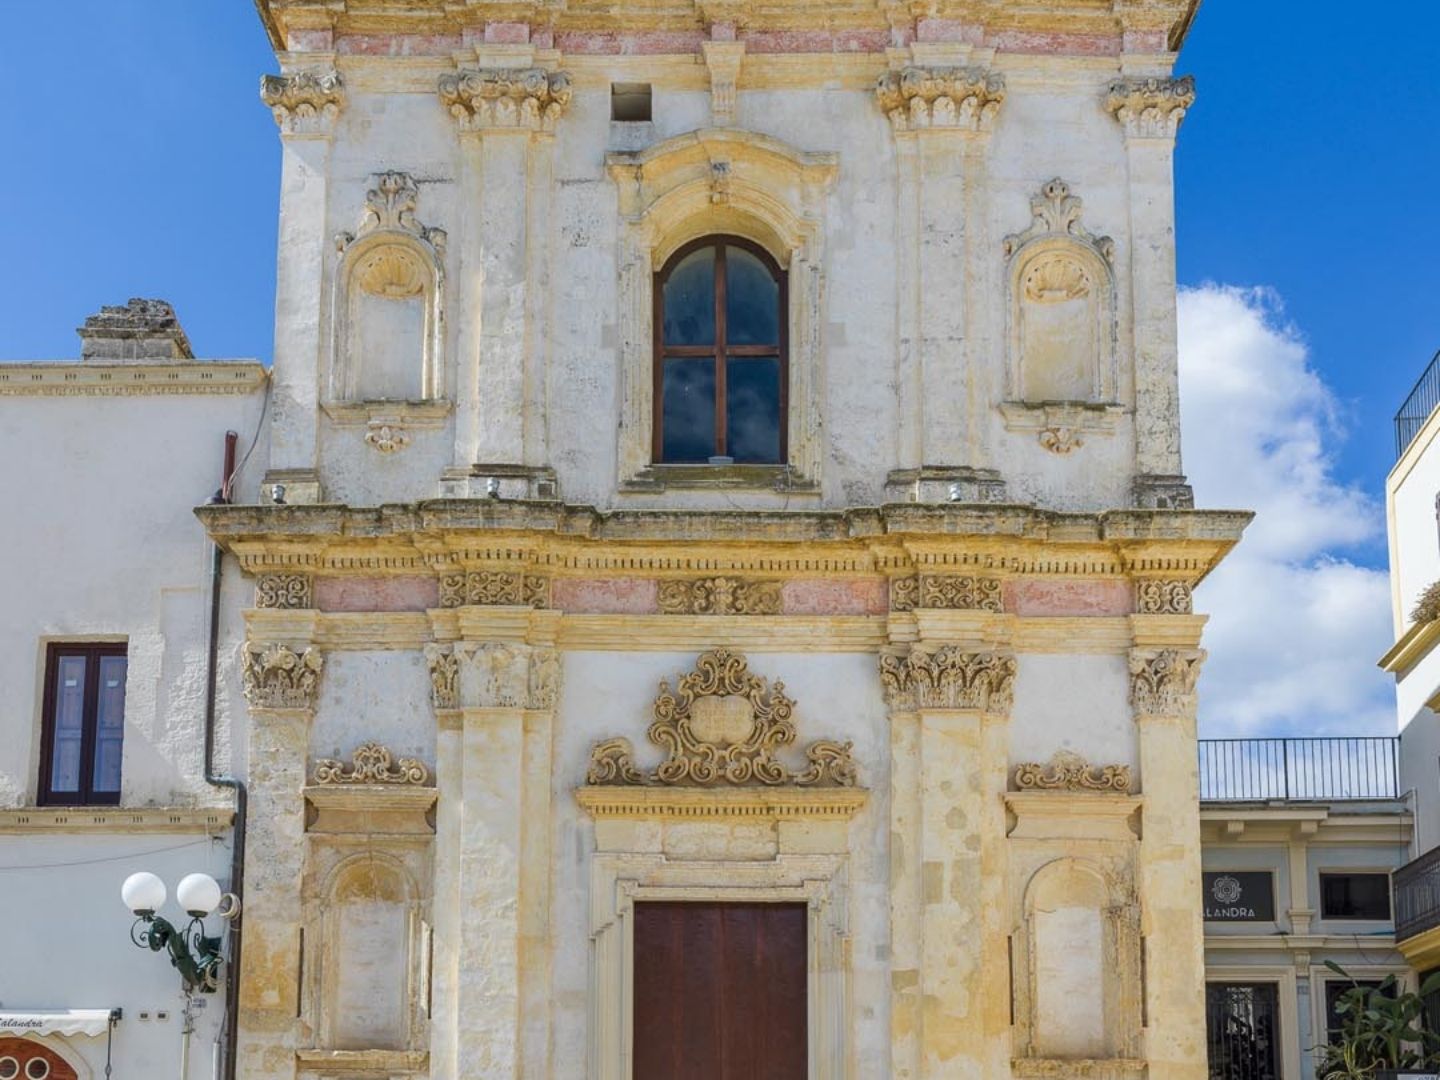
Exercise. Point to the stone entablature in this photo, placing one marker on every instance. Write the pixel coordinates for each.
(92, 378)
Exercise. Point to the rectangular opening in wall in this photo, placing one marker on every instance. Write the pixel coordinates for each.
(1355, 896)
(630, 102)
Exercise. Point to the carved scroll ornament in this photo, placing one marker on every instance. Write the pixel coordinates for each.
(1056, 212)
(723, 725)
(720, 596)
(494, 587)
(1068, 771)
(278, 677)
(371, 763)
(1155, 597)
(284, 591)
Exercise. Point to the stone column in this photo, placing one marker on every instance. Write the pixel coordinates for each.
(282, 686)
(950, 710)
(496, 700)
(1163, 696)
(1150, 111)
(506, 118)
(306, 105)
(941, 118)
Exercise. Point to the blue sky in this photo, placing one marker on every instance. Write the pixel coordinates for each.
(144, 165)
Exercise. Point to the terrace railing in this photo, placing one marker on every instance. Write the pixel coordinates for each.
(1418, 407)
(1320, 769)
(1417, 895)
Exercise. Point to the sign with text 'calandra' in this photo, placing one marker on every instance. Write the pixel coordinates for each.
(1239, 896)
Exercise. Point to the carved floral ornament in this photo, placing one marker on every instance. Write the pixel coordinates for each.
(1153, 107)
(278, 677)
(371, 763)
(948, 678)
(305, 102)
(390, 206)
(960, 99)
(1056, 212)
(1068, 771)
(1162, 682)
(722, 725)
(493, 675)
(527, 99)
(720, 596)
(494, 587)
(956, 592)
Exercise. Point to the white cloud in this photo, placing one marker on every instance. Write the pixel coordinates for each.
(1295, 626)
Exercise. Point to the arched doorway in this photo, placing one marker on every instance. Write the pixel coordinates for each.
(25, 1059)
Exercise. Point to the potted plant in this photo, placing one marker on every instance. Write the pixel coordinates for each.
(1382, 1033)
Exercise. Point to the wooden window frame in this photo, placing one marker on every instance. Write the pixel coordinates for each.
(720, 351)
(89, 720)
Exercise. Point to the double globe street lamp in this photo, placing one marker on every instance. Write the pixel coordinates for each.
(192, 953)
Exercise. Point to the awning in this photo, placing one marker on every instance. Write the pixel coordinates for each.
(57, 1022)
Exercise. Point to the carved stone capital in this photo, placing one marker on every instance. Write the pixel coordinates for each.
(720, 596)
(494, 587)
(371, 763)
(493, 675)
(948, 678)
(305, 102)
(278, 677)
(284, 591)
(1151, 108)
(1154, 596)
(525, 99)
(1068, 771)
(722, 725)
(956, 99)
(1162, 681)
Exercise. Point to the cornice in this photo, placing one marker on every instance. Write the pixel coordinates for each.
(764, 804)
(1414, 645)
(89, 379)
(89, 819)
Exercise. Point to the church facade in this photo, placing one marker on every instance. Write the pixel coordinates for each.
(711, 596)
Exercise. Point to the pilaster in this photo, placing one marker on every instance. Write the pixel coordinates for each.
(281, 683)
(506, 117)
(1150, 111)
(950, 709)
(307, 105)
(1163, 673)
(941, 117)
(495, 692)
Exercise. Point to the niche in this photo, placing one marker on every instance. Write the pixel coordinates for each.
(368, 934)
(1059, 332)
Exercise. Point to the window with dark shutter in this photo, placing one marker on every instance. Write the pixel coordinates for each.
(84, 724)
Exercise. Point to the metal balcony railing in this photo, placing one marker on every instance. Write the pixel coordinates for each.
(1322, 769)
(1417, 895)
(1418, 407)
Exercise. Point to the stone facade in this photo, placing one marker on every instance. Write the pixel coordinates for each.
(931, 674)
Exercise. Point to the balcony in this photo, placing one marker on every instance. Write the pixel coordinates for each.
(1299, 770)
(1418, 407)
(1417, 895)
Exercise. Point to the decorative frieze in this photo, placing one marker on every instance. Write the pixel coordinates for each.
(1153, 107)
(720, 596)
(723, 725)
(278, 677)
(386, 437)
(1154, 596)
(371, 763)
(961, 99)
(954, 592)
(948, 678)
(1068, 771)
(528, 99)
(494, 587)
(284, 591)
(305, 102)
(1162, 682)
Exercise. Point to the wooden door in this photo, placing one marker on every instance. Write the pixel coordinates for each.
(720, 991)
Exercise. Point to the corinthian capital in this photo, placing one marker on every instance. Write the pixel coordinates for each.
(948, 678)
(960, 99)
(305, 102)
(1151, 108)
(504, 98)
(278, 677)
(1162, 681)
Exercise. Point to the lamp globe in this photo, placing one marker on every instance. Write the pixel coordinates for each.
(143, 893)
(198, 894)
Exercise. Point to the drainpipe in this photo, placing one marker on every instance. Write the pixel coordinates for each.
(226, 1070)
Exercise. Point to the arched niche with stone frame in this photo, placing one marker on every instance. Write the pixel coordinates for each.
(387, 314)
(721, 181)
(1062, 368)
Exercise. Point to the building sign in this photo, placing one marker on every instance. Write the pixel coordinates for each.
(1239, 896)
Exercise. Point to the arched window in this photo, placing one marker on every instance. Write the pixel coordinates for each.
(721, 379)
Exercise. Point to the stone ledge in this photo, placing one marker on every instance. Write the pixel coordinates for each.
(91, 379)
(383, 1062)
(84, 819)
(769, 804)
(1091, 1068)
